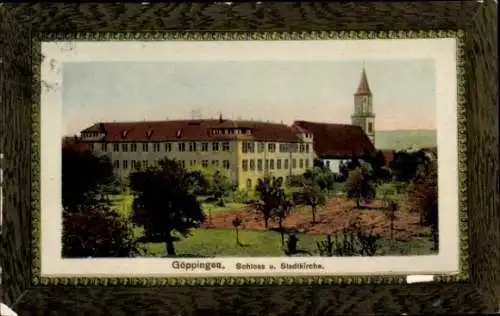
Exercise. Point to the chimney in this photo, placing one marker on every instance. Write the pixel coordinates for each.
(220, 118)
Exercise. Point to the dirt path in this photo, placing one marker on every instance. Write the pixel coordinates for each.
(333, 217)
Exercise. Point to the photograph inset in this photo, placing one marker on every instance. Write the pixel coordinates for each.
(249, 159)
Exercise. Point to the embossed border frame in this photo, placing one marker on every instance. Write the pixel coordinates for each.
(38, 279)
(272, 17)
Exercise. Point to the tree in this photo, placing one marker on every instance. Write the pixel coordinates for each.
(358, 186)
(423, 198)
(236, 224)
(271, 197)
(97, 232)
(281, 214)
(220, 186)
(86, 179)
(164, 202)
(323, 177)
(311, 195)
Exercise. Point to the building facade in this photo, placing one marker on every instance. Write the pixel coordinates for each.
(363, 115)
(247, 150)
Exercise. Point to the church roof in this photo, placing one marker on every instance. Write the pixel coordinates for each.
(363, 87)
(337, 141)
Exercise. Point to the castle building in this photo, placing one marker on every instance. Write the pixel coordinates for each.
(363, 115)
(248, 150)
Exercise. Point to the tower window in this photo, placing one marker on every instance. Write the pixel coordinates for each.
(370, 127)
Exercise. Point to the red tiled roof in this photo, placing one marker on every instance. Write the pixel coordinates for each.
(74, 143)
(388, 155)
(363, 88)
(192, 130)
(337, 140)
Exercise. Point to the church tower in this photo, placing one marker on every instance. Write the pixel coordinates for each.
(363, 115)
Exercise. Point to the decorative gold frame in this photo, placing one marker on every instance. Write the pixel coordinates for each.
(37, 279)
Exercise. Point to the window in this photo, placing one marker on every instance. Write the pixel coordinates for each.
(370, 127)
(286, 164)
(215, 163)
(252, 164)
(204, 163)
(215, 146)
(271, 164)
(283, 148)
(266, 165)
(260, 147)
(302, 148)
(301, 163)
(249, 184)
(145, 147)
(116, 147)
(244, 164)
(104, 147)
(259, 164)
(145, 163)
(327, 162)
(192, 163)
(271, 148)
(116, 164)
(181, 147)
(156, 148)
(168, 147)
(204, 146)
(294, 163)
(125, 164)
(91, 147)
(225, 164)
(183, 163)
(307, 148)
(192, 146)
(225, 146)
(278, 163)
(293, 148)
(307, 163)
(134, 164)
(248, 147)
(133, 148)
(124, 148)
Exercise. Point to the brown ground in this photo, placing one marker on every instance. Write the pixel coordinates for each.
(331, 218)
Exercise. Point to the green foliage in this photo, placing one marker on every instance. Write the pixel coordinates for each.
(242, 196)
(271, 197)
(164, 202)
(86, 180)
(358, 186)
(311, 195)
(97, 232)
(423, 198)
(356, 239)
(323, 177)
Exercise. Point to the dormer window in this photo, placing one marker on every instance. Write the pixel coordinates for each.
(149, 133)
(248, 132)
(178, 134)
(124, 134)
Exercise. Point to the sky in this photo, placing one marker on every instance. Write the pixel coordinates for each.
(404, 96)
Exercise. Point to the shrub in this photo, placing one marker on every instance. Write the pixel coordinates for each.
(96, 232)
(358, 186)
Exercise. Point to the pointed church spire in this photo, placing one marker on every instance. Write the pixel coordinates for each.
(363, 87)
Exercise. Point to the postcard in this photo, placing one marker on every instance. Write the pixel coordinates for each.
(249, 158)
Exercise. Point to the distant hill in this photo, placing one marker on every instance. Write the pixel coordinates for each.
(401, 139)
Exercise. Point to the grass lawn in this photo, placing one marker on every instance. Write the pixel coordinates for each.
(123, 204)
(206, 242)
(210, 242)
